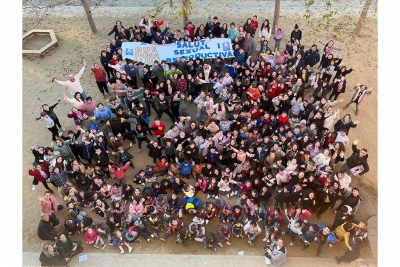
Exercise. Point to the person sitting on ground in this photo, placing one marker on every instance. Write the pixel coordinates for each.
(50, 257)
(68, 248)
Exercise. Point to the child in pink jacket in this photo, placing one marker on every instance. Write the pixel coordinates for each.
(119, 172)
(136, 207)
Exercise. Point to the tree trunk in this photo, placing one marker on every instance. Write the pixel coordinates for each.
(89, 15)
(185, 3)
(276, 14)
(363, 16)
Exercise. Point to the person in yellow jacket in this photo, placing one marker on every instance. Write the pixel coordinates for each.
(342, 232)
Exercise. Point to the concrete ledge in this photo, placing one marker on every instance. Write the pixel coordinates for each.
(44, 49)
(373, 235)
(116, 259)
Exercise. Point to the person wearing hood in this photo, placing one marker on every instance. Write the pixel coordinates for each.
(312, 56)
(276, 253)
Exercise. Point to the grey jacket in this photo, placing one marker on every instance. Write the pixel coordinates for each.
(277, 256)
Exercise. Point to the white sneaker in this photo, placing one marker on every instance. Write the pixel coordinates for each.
(139, 150)
(220, 244)
(33, 187)
(228, 243)
(130, 249)
(265, 239)
(251, 244)
(63, 129)
(148, 240)
(232, 193)
(207, 221)
(291, 244)
(122, 252)
(152, 236)
(227, 196)
(208, 196)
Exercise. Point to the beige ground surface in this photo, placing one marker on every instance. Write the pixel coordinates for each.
(76, 42)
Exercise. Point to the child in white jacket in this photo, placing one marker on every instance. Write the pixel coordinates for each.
(224, 186)
(252, 229)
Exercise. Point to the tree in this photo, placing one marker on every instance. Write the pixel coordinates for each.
(86, 6)
(276, 13)
(363, 16)
(40, 7)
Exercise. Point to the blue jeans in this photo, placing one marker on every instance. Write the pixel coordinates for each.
(346, 168)
(84, 95)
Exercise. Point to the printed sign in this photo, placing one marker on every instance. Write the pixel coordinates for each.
(206, 48)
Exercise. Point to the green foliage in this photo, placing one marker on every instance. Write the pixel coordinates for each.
(328, 9)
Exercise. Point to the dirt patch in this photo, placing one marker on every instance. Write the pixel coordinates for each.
(36, 41)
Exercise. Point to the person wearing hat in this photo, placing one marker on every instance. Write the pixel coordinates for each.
(309, 235)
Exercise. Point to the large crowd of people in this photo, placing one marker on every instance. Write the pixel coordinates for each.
(266, 130)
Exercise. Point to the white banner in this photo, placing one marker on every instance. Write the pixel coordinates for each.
(205, 48)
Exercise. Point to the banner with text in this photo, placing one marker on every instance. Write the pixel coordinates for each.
(147, 53)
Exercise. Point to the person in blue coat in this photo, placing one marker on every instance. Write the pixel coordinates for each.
(326, 237)
(102, 113)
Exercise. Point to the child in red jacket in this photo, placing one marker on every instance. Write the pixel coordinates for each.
(92, 237)
(119, 172)
(162, 167)
(245, 188)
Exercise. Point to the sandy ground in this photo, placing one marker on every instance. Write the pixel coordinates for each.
(76, 42)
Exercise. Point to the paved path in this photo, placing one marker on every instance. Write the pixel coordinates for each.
(373, 235)
(161, 260)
